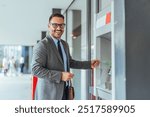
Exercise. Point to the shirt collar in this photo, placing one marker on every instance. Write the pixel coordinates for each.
(55, 40)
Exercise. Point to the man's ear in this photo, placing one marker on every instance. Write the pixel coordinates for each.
(48, 25)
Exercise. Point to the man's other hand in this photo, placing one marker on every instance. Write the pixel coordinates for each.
(66, 76)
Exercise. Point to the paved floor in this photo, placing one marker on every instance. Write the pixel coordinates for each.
(15, 87)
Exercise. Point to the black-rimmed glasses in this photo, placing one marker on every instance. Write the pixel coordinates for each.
(55, 25)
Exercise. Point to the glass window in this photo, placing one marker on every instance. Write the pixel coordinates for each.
(77, 38)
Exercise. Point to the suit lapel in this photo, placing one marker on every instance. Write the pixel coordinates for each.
(54, 48)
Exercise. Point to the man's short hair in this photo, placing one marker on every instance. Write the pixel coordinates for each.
(56, 15)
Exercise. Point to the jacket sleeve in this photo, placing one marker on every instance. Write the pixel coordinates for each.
(39, 62)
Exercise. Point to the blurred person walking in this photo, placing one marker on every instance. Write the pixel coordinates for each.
(21, 64)
(5, 65)
(12, 67)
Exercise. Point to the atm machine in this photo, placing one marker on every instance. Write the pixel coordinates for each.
(122, 45)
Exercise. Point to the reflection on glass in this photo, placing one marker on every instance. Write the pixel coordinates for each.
(105, 71)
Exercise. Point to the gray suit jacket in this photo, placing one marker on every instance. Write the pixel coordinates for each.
(47, 65)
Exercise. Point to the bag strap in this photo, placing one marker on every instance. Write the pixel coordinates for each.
(69, 83)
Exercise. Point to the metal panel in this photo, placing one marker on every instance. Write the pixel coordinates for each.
(118, 45)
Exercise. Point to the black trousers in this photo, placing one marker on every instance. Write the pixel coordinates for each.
(64, 94)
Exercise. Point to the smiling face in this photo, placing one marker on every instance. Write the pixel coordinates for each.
(56, 27)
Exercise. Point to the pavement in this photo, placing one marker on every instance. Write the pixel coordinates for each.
(16, 87)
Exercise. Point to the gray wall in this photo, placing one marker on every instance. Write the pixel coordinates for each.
(137, 19)
(21, 21)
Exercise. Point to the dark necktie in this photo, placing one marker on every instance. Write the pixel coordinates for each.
(59, 50)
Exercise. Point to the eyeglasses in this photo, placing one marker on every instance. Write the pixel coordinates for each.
(55, 25)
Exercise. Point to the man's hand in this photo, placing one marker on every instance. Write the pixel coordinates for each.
(95, 63)
(66, 76)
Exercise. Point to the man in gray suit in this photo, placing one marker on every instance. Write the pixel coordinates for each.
(52, 62)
